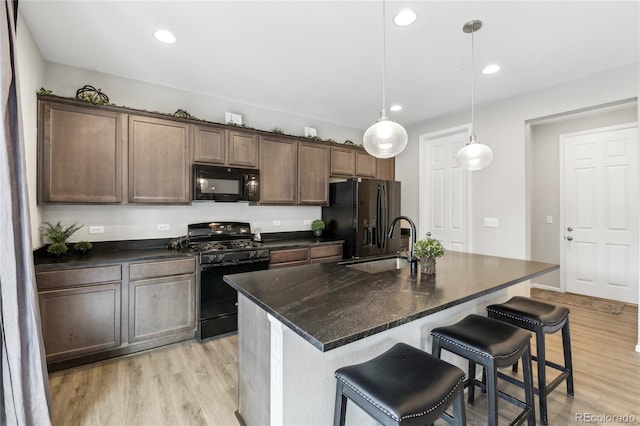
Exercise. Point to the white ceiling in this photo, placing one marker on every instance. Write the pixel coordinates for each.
(323, 59)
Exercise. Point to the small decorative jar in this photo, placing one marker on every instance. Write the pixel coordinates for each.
(428, 265)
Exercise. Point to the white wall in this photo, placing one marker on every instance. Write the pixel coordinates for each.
(31, 68)
(130, 222)
(500, 190)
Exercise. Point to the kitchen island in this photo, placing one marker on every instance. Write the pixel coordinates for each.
(298, 325)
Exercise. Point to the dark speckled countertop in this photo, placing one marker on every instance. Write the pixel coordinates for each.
(331, 305)
(109, 252)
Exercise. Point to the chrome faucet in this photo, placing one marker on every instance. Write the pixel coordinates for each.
(411, 258)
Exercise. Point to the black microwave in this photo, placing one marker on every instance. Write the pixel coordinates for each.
(215, 183)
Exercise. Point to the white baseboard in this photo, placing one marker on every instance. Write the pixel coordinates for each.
(638, 347)
(546, 287)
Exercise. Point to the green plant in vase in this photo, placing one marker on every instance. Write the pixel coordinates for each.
(82, 247)
(427, 251)
(57, 249)
(58, 235)
(317, 226)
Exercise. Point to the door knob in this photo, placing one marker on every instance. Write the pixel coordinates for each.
(428, 234)
(569, 238)
(569, 229)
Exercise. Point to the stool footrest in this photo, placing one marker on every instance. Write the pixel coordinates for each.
(522, 417)
(501, 394)
(550, 386)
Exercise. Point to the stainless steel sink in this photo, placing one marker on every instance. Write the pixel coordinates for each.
(383, 265)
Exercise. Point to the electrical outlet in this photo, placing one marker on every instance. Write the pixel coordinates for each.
(307, 221)
(491, 222)
(96, 229)
(163, 227)
(549, 219)
(276, 223)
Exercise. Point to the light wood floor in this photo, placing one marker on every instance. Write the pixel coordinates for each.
(196, 384)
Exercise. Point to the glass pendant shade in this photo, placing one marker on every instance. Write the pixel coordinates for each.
(385, 138)
(474, 155)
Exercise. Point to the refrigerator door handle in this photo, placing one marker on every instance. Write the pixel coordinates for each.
(379, 223)
(385, 216)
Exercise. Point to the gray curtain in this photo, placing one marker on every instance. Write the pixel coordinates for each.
(24, 398)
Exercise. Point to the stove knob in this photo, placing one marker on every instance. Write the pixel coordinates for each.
(220, 257)
(252, 254)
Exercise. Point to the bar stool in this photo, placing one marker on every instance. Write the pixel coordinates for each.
(541, 318)
(493, 344)
(402, 386)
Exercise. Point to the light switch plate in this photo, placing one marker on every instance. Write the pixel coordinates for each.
(549, 219)
(307, 221)
(310, 132)
(276, 223)
(491, 222)
(163, 227)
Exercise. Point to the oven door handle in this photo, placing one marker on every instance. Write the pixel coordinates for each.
(210, 266)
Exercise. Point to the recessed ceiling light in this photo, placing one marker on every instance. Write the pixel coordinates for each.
(490, 69)
(405, 17)
(165, 36)
(395, 107)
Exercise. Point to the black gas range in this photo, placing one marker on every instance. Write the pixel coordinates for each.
(224, 248)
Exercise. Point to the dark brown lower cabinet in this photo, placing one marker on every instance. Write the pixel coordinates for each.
(80, 320)
(325, 254)
(94, 313)
(281, 258)
(162, 306)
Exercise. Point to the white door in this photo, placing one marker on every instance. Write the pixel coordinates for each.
(444, 190)
(600, 213)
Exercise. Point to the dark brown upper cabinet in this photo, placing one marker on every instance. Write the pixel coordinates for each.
(343, 161)
(79, 154)
(387, 168)
(278, 170)
(365, 164)
(313, 174)
(159, 161)
(217, 145)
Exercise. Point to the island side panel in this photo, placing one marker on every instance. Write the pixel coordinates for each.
(254, 352)
(308, 388)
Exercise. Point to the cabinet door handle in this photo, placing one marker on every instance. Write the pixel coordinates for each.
(569, 238)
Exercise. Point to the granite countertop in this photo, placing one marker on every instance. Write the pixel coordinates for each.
(331, 305)
(44, 262)
(141, 250)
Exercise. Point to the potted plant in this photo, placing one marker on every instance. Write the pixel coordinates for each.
(82, 247)
(427, 251)
(317, 226)
(58, 235)
(57, 249)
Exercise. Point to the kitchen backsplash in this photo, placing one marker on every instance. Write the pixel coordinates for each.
(132, 222)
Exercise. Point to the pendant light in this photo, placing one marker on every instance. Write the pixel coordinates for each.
(385, 138)
(474, 155)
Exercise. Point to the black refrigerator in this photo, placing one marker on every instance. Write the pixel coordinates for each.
(359, 212)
